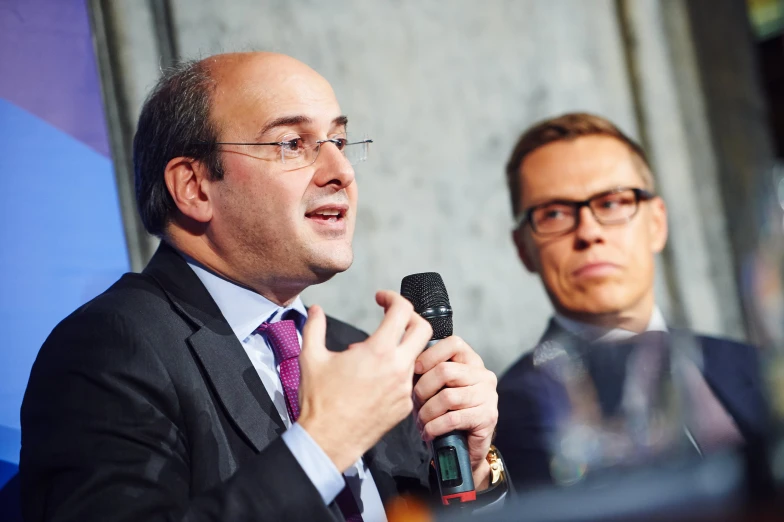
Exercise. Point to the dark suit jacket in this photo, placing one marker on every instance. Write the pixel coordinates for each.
(143, 406)
(532, 403)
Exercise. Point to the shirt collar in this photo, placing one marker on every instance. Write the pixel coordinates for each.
(595, 333)
(242, 308)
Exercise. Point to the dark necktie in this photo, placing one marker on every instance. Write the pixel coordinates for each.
(282, 337)
(642, 357)
(644, 361)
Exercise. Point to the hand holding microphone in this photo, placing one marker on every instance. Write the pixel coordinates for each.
(350, 399)
(455, 395)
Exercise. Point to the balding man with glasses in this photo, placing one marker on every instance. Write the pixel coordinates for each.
(589, 396)
(180, 393)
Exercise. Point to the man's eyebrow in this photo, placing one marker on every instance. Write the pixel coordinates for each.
(340, 121)
(568, 200)
(284, 121)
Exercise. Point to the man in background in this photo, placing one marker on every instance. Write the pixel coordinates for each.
(180, 393)
(589, 223)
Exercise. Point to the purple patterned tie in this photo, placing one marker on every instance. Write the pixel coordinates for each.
(282, 337)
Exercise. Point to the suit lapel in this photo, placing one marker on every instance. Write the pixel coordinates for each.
(237, 384)
(565, 339)
(234, 379)
(732, 372)
(553, 332)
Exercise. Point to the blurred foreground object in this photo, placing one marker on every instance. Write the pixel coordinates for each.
(763, 291)
(408, 509)
(710, 489)
(763, 275)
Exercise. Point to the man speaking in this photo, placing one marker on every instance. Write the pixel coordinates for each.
(181, 394)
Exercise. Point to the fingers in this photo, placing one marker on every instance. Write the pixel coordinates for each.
(479, 421)
(453, 386)
(401, 324)
(450, 349)
(449, 374)
(385, 298)
(314, 333)
(456, 395)
(418, 333)
(397, 315)
(450, 399)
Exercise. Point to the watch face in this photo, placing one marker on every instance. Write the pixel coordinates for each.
(448, 467)
(496, 465)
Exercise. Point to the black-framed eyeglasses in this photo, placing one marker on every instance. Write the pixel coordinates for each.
(297, 150)
(612, 207)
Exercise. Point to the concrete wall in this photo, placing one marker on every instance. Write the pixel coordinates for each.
(444, 89)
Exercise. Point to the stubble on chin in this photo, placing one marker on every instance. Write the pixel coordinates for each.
(329, 260)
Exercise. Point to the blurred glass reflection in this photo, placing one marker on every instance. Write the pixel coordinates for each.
(637, 402)
(763, 292)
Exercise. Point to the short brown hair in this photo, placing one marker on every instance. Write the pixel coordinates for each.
(564, 128)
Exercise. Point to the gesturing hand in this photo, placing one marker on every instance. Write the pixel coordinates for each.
(349, 400)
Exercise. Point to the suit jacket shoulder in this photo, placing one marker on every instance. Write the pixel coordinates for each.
(732, 370)
(141, 405)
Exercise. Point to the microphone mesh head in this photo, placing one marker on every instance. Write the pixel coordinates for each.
(425, 291)
(442, 326)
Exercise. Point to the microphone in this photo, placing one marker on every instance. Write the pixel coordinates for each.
(427, 293)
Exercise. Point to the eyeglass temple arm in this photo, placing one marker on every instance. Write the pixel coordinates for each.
(521, 219)
(243, 143)
(284, 142)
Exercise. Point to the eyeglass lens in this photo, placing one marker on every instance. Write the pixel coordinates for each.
(300, 150)
(608, 209)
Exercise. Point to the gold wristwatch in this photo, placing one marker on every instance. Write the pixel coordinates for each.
(496, 466)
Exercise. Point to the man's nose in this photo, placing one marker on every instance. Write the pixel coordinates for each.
(332, 167)
(588, 230)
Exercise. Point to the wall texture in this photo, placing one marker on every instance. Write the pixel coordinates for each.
(445, 89)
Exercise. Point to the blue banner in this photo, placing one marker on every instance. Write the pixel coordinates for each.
(61, 234)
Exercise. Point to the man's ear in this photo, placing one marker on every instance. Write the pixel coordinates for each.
(658, 224)
(523, 250)
(188, 184)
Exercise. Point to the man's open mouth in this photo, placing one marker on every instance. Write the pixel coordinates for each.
(328, 214)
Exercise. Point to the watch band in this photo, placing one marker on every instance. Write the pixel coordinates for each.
(497, 470)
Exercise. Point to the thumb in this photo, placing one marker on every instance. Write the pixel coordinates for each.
(314, 333)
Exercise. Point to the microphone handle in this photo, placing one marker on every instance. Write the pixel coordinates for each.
(453, 465)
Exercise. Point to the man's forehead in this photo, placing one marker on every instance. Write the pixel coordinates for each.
(260, 67)
(260, 87)
(577, 169)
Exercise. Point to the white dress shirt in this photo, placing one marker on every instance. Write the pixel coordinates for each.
(594, 333)
(245, 311)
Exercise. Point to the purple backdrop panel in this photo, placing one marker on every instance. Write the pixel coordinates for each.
(47, 66)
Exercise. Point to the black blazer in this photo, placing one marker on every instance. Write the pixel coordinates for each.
(143, 406)
(532, 403)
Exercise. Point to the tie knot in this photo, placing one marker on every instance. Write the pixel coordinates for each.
(282, 337)
(650, 339)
